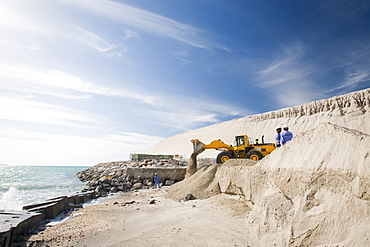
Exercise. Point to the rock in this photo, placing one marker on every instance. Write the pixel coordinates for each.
(103, 194)
(169, 182)
(189, 197)
(137, 186)
(138, 180)
(146, 181)
(152, 201)
(112, 177)
(127, 186)
(127, 203)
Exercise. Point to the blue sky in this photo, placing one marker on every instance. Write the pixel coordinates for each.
(83, 82)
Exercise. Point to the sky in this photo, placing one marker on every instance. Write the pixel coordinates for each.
(84, 82)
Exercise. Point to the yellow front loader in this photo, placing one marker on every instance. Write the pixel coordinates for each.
(242, 149)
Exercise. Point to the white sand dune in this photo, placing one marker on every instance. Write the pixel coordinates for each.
(350, 110)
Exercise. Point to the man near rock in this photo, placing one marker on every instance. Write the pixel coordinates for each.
(156, 181)
(278, 137)
(286, 135)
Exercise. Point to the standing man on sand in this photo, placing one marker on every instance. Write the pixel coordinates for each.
(286, 135)
(156, 181)
(278, 137)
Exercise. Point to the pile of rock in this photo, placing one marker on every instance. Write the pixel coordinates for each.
(111, 177)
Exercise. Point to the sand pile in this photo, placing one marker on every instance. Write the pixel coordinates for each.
(351, 110)
(314, 191)
(203, 184)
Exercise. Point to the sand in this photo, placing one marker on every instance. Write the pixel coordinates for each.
(313, 191)
(219, 221)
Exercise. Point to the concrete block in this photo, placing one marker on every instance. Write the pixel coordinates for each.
(174, 174)
(83, 197)
(51, 208)
(70, 199)
(77, 199)
(5, 235)
(16, 222)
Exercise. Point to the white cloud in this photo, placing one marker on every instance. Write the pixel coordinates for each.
(181, 55)
(28, 80)
(130, 34)
(96, 42)
(178, 112)
(287, 77)
(353, 79)
(184, 113)
(33, 148)
(19, 18)
(148, 21)
(29, 110)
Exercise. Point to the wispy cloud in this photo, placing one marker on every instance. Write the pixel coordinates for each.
(92, 40)
(181, 55)
(150, 22)
(177, 112)
(287, 77)
(184, 112)
(16, 19)
(130, 34)
(352, 80)
(27, 80)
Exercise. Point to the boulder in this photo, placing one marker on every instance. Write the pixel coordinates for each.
(137, 186)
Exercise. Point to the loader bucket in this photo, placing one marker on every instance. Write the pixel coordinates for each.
(192, 165)
(198, 147)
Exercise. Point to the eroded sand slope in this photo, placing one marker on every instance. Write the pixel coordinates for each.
(314, 191)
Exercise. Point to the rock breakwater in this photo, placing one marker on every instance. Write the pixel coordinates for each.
(111, 177)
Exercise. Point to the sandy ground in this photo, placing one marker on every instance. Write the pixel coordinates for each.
(148, 218)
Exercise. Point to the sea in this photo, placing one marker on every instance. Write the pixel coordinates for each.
(25, 185)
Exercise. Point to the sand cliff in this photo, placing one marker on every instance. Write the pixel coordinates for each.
(314, 191)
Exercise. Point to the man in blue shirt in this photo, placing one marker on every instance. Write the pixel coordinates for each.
(278, 137)
(156, 181)
(286, 135)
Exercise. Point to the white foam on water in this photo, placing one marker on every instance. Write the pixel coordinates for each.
(10, 199)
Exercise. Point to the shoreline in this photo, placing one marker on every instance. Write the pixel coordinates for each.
(148, 217)
(122, 176)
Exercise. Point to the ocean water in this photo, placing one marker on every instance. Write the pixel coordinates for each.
(24, 185)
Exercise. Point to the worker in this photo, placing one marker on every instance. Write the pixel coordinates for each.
(278, 137)
(286, 135)
(156, 181)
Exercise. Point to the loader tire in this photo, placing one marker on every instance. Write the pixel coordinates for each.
(222, 157)
(254, 155)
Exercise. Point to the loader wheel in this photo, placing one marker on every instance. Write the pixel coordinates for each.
(222, 157)
(254, 155)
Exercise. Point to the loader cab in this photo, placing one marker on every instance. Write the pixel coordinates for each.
(239, 141)
(239, 146)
